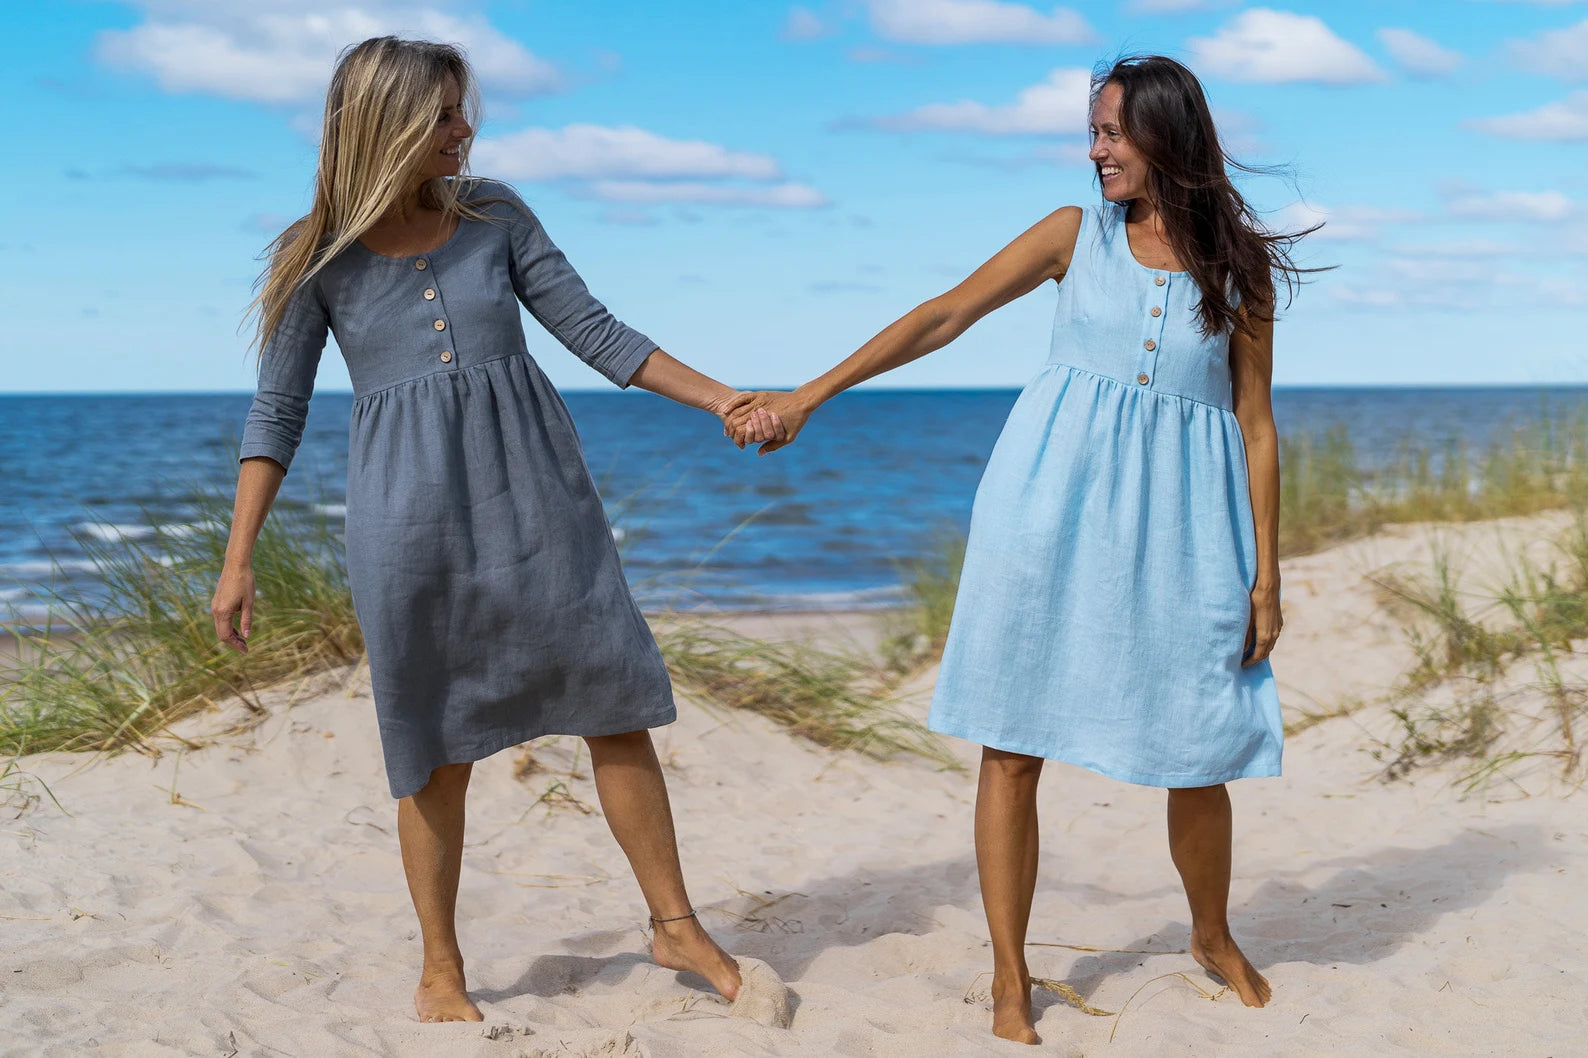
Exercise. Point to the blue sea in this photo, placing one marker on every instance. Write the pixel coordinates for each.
(877, 477)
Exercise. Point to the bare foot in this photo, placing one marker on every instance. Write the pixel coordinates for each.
(685, 945)
(442, 996)
(1012, 1010)
(1223, 960)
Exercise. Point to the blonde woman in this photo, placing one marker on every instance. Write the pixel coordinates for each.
(484, 576)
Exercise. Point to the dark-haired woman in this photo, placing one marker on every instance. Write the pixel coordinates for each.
(1120, 594)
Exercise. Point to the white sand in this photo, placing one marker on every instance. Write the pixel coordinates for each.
(265, 913)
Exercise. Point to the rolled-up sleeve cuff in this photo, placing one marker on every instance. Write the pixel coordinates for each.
(279, 452)
(620, 363)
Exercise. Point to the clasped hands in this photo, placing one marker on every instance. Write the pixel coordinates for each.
(769, 418)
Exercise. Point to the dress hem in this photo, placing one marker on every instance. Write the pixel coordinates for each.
(1260, 769)
(498, 745)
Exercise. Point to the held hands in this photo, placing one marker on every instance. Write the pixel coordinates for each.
(769, 418)
(757, 425)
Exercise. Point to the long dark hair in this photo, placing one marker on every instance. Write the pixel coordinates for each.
(1164, 113)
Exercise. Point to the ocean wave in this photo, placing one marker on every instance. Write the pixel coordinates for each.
(112, 532)
(31, 568)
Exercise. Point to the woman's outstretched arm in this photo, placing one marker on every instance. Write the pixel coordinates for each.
(1040, 253)
(677, 381)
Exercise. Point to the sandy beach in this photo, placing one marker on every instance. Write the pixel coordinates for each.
(246, 898)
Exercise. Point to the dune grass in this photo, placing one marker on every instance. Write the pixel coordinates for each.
(1468, 641)
(1328, 494)
(831, 698)
(914, 634)
(117, 670)
(141, 654)
(118, 667)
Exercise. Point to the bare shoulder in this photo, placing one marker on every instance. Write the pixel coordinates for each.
(1060, 230)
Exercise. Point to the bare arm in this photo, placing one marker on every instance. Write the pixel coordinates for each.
(1251, 372)
(668, 377)
(1040, 253)
(258, 480)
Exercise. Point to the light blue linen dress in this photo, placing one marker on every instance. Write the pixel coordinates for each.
(1103, 608)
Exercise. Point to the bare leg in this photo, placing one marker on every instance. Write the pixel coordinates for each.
(1006, 859)
(430, 831)
(1199, 842)
(634, 797)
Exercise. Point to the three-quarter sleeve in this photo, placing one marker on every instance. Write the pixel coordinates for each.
(555, 295)
(287, 367)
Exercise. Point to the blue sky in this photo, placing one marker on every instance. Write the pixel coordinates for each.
(761, 186)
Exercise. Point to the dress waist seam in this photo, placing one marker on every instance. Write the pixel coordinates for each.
(359, 398)
(1121, 383)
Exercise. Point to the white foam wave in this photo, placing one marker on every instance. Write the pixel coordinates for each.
(109, 531)
(40, 567)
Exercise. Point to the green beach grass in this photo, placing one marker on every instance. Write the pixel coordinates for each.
(143, 655)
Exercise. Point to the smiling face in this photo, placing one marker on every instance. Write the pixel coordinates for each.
(1120, 168)
(451, 131)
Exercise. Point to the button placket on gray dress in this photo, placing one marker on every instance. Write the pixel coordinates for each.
(484, 575)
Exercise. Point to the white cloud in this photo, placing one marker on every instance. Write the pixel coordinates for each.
(975, 22)
(1341, 224)
(803, 24)
(1541, 206)
(1057, 106)
(866, 53)
(1172, 7)
(1460, 248)
(1418, 55)
(1565, 119)
(782, 196)
(284, 53)
(1274, 46)
(594, 151)
(1561, 52)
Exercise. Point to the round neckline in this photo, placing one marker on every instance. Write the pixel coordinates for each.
(1124, 227)
(456, 231)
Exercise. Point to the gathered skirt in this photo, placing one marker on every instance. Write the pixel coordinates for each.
(485, 576)
(1103, 608)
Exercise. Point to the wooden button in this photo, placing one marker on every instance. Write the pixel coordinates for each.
(441, 325)
(420, 264)
(446, 356)
(1142, 378)
(1150, 345)
(430, 295)
(1156, 311)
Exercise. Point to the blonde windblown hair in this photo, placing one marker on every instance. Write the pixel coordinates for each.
(380, 114)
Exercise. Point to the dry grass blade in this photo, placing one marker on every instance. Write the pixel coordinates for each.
(1071, 996)
(1203, 992)
(1109, 951)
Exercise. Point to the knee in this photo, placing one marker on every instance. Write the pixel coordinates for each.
(627, 740)
(1199, 796)
(1011, 768)
(449, 777)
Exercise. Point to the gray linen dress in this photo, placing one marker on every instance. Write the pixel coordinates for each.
(484, 576)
